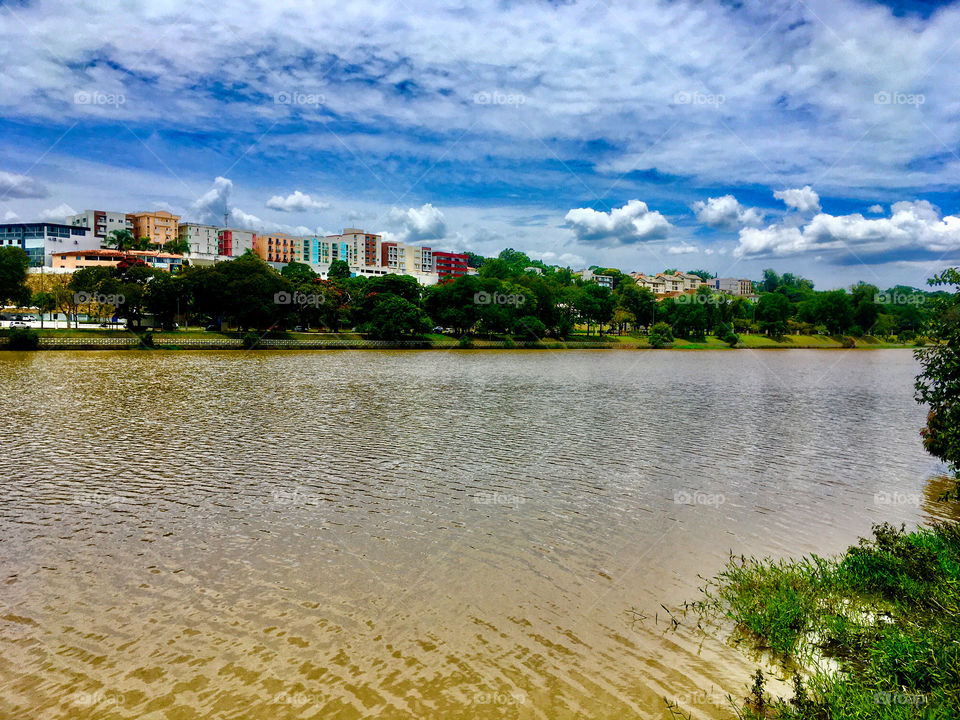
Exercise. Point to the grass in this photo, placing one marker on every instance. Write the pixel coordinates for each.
(874, 633)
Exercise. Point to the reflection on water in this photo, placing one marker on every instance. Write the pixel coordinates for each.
(417, 534)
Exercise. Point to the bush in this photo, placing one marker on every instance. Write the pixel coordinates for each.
(23, 339)
(530, 328)
(147, 339)
(660, 334)
(465, 342)
(251, 340)
(847, 341)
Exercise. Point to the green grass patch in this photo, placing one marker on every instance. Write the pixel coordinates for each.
(886, 614)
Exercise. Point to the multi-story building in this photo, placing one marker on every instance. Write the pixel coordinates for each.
(102, 222)
(450, 264)
(355, 247)
(234, 243)
(278, 247)
(732, 286)
(76, 259)
(159, 226)
(406, 259)
(41, 239)
(601, 280)
(202, 241)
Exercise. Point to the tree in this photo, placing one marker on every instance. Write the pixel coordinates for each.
(298, 272)
(474, 260)
(702, 274)
(659, 335)
(177, 247)
(44, 302)
(773, 311)
(339, 270)
(120, 239)
(938, 385)
(530, 329)
(393, 317)
(13, 276)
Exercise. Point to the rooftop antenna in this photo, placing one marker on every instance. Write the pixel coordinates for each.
(226, 217)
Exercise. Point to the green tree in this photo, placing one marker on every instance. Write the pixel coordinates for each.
(121, 240)
(660, 334)
(13, 276)
(177, 247)
(773, 311)
(702, 274)
(393, 317)
(938, 385)
(44, 302)
(339, 270)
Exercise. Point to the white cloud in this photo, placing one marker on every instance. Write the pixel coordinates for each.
(914, 226)
(802, 199)
(566, 259)
(295, 202)
(876, 209)
(10, 216)
(726, 212)
(632, 223)
(417, 224)
(20, 186)
(681, 249)
(57, 214)
(211, 206)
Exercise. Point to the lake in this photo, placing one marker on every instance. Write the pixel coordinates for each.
(347, 534)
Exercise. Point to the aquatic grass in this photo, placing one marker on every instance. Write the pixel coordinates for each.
(873, 633)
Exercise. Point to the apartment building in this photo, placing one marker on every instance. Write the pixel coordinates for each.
(232, 242)
(76, 259)
(40, 240)
(202, 241)
(601, 280)
(406, 259)
(450, 264)
(662, 284)
(102, 222)
(278, 247)
(159, 225)
(732, 286)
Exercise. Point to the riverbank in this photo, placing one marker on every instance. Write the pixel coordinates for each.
(100, 339)
(874, 633)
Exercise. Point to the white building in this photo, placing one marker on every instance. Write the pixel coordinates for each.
(601, 280)
(203, 242)
(101, 222)
(732, 286)
(41, 239)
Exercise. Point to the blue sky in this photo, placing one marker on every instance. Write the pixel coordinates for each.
(820, 138)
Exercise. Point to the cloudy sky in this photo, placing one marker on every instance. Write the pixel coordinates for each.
(814, 137)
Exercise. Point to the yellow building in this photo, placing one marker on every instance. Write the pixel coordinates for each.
(160, 226)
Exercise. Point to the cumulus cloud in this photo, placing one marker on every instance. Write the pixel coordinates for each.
(632, 223)
(726, 212)
(914, 227)
(802, 199)
(682, 249)
(876, 209)
(57, 214)
(295, 202)
(417, 224)
(21, 186)
(10, 216)
(566, 259)
(210, 207)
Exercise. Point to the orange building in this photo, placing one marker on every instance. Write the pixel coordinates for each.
(278, 247)
(160, 226)
(76, 259)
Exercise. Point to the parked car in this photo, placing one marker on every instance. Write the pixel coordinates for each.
(438, 329)
(299, 328)
(212, 328)
(19, 324)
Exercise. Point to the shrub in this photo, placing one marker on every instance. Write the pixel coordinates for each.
(465, 342)
(660, 334)
(24, 339)
(251, 340)
(530, 328)
(147, 339)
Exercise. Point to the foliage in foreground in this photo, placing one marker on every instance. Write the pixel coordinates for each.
(886, 616)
